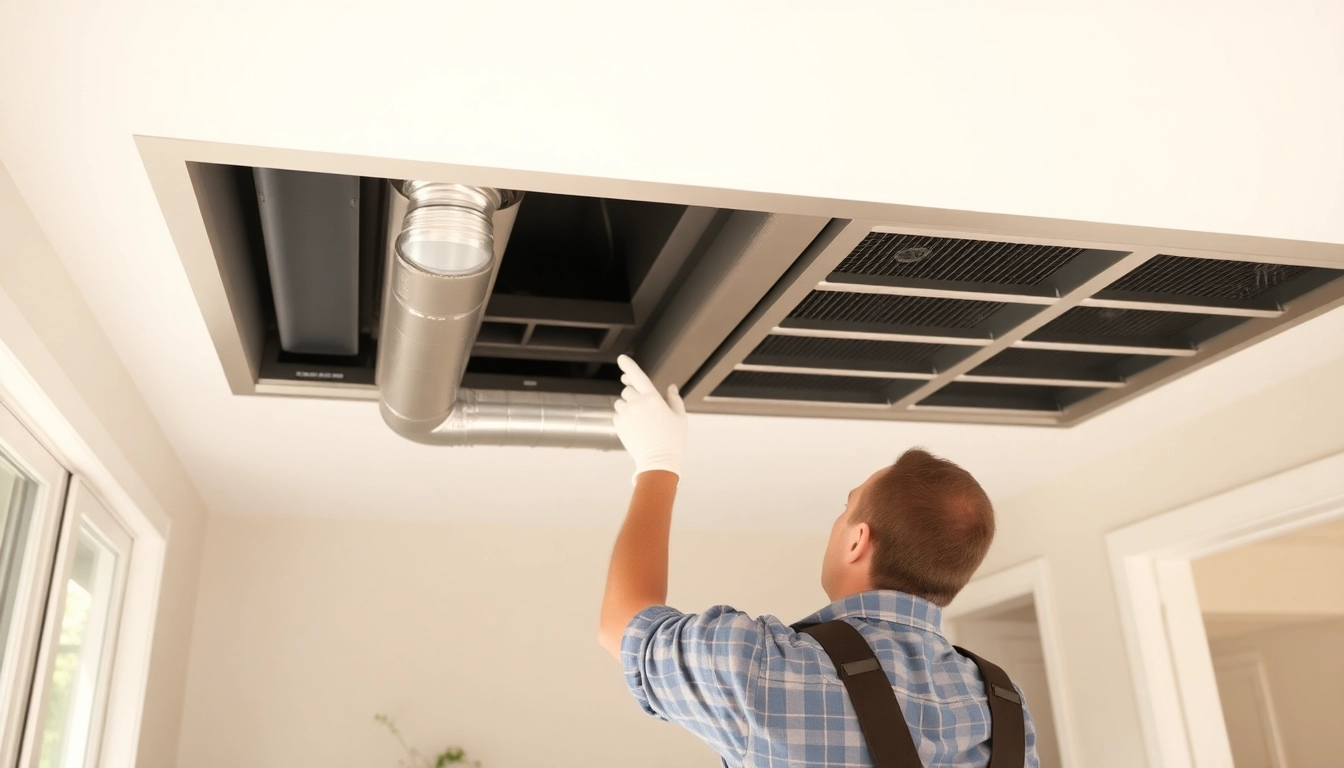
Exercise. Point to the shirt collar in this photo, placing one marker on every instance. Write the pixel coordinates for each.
(883, 605)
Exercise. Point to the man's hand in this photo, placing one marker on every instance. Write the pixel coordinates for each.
(653, 430)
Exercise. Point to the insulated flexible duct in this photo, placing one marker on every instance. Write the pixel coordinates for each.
(442, 271)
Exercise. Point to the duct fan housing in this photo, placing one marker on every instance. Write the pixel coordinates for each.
(753, 304)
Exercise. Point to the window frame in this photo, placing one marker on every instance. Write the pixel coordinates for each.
(17, 670)
(81, 506)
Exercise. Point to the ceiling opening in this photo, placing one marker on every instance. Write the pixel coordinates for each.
(821, 309)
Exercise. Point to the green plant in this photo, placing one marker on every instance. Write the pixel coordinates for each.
(413, 759)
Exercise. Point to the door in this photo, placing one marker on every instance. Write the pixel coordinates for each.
(1012, 639)
(1248, 711)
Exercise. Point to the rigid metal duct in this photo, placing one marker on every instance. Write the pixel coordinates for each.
(442, 270)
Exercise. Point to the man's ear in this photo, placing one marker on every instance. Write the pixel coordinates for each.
(857, 543)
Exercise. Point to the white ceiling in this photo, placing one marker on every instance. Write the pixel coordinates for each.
(1182, 117)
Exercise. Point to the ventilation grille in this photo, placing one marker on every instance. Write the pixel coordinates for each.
(787, 350)
(945, 258)
(921, 311)
(792, 386)
(1109, 323)
(1019, 397)
(1049, 362)
(1208, 278)
(939, 325)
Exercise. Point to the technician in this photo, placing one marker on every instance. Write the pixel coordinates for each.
(762, 693)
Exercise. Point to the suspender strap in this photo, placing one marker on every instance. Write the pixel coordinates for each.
(880, 717)
(1008, 728)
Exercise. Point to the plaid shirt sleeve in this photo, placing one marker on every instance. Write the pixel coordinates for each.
(696, 670)
(1032, 761)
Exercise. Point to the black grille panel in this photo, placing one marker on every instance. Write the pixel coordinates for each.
(968, 394)
(945, 258)
(779, 350)
(1102, 322)
(1209, 278)
(797, 382)
(1048, 363)
(793, 386)
(881, 309)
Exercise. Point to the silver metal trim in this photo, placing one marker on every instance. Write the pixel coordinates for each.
(1049, 382)
(810, 371)
(1177, 306)
(1045, 417)
(1117, 349)
(918, 338)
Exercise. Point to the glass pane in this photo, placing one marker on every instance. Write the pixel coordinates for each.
(78, 664)
(17, 496)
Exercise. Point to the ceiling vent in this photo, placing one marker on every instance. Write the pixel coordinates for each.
(753, 304)
(878, 322)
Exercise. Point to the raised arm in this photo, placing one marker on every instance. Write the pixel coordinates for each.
(653, 431)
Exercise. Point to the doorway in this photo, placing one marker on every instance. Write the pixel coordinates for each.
(1202, 616)
(1007, 617)
(1274, 615)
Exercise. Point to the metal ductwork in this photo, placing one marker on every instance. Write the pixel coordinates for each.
(443, 265)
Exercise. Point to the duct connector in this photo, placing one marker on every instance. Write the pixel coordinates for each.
(441, 273)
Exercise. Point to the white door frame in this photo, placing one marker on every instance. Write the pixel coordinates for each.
(1170, 663)
(1030, 579)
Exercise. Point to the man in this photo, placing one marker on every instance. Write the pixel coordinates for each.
(762, 694)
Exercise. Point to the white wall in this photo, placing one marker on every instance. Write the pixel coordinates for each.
(45, 323)
(483, 636)
(1305, 668)
(1065, 521)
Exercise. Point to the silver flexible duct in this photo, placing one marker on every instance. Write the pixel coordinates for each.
(441, 276)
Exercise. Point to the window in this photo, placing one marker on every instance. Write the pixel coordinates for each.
(63, 564)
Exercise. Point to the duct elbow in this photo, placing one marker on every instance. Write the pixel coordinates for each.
(442, 269)
(417, 430)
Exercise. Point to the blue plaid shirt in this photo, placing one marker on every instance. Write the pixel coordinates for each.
(763, 695)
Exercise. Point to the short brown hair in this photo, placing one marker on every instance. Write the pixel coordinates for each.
(931, 525)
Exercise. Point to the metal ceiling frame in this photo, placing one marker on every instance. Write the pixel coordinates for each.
(789, 263)
(1080, 283)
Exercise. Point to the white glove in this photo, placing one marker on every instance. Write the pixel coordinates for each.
(653, 430)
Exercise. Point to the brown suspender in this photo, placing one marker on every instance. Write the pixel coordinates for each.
(879, 713)
(1007, 723)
